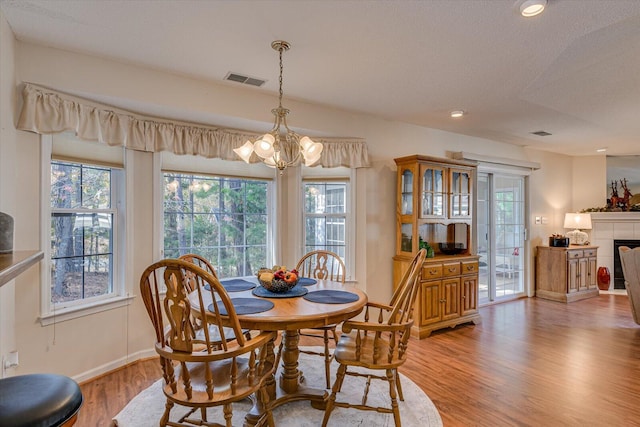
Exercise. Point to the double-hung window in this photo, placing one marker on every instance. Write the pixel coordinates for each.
(327, 223)
(83, 222)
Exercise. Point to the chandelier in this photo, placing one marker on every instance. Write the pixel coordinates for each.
(269, 147)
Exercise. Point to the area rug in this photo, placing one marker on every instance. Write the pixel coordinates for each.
(417, 409)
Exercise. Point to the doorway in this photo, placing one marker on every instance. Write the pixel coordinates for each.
(501, 236)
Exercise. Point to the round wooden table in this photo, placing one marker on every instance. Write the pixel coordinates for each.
(290, 315)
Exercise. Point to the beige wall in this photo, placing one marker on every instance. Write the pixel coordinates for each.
(86, 346)
(7, 168)
(589, 182)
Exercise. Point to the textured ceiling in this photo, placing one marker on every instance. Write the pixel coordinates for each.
(573, 71)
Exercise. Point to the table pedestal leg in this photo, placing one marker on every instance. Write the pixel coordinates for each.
(289, 388)
(290, 377)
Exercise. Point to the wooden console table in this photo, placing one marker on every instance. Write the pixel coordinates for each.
(11, 265)
(566, 274)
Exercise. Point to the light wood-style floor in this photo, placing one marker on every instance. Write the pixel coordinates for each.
(531, 362)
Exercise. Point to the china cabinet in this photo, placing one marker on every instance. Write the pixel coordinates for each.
(434, 211)
(566, 274)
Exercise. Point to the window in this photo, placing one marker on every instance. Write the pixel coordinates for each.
(83, 230)
(325, 216)
(224, 219)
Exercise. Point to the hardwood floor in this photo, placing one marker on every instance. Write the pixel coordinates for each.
(531, 362)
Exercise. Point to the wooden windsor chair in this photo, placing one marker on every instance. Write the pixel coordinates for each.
(203, 263)
(198, 374)
(323, 265)
(378, 343)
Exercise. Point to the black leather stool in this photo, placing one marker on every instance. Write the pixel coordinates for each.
(39, 400)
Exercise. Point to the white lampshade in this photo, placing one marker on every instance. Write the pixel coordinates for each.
(270, 162)
(245, 151)
(264, 146)
(312, 153)
(305, 142)
(577, 221)
(310, 160)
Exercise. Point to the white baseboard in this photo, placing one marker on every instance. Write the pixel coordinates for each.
(113, 365)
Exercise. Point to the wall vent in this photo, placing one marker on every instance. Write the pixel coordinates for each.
(541, 133)
(235, 77)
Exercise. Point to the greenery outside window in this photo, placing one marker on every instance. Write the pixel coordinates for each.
(326, 216)
(224, 219)
(84, 223)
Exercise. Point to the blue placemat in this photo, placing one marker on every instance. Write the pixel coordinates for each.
(245, 306)
(306, 281)
(234, 285)
(237, 285)
(296, 291)
(329, 296)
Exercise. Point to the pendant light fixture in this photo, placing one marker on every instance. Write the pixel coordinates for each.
(269, 147)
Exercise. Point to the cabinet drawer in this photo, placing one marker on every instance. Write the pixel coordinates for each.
(469, 267)
(430, 272)
(451, 269)
(590, 252)
(574, 254)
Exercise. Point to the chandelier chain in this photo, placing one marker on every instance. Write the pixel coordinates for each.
(280, 81)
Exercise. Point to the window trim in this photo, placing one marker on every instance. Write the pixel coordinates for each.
(158, 219)
(350, 216)
(120, 295)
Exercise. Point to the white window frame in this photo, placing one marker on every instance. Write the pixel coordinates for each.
(197, 165)
(338, 175)
(53, 313)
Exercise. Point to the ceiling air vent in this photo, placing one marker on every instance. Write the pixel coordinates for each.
(235, 77)
(541, 133)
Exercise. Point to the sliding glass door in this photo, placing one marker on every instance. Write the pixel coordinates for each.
(501, 235)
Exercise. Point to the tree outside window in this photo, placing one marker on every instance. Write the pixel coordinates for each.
(82, 230)
(325, 216)
(223, 219)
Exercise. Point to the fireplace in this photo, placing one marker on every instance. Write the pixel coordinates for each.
(618, 282)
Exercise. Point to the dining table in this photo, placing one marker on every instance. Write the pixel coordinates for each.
(311, 303)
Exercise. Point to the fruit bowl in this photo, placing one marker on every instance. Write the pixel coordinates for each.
(278, 286)
(277, 279)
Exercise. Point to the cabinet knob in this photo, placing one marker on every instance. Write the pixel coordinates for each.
(452, 269)
(443, 300)
(464, 296)
(469, 267)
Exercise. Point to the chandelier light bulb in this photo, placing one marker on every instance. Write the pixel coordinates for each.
(264, 147)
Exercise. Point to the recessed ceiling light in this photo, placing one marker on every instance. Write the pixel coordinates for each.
(601, 150)
(456, 114)
(530, 8)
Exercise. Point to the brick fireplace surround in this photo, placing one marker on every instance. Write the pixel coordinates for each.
(610, 226)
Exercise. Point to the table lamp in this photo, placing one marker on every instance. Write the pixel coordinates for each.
(577, 221)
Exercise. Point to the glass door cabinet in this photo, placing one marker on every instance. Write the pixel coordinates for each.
(435, 211)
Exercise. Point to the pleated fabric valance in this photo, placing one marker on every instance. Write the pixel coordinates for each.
(47, 111)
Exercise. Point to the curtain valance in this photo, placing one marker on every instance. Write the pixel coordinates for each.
(46, 111)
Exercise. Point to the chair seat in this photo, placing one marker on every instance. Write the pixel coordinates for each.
(38, 400)
(345, 352)
(247, 382)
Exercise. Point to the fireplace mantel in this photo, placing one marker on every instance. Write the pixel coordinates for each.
(615, 216)
(609, 226)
